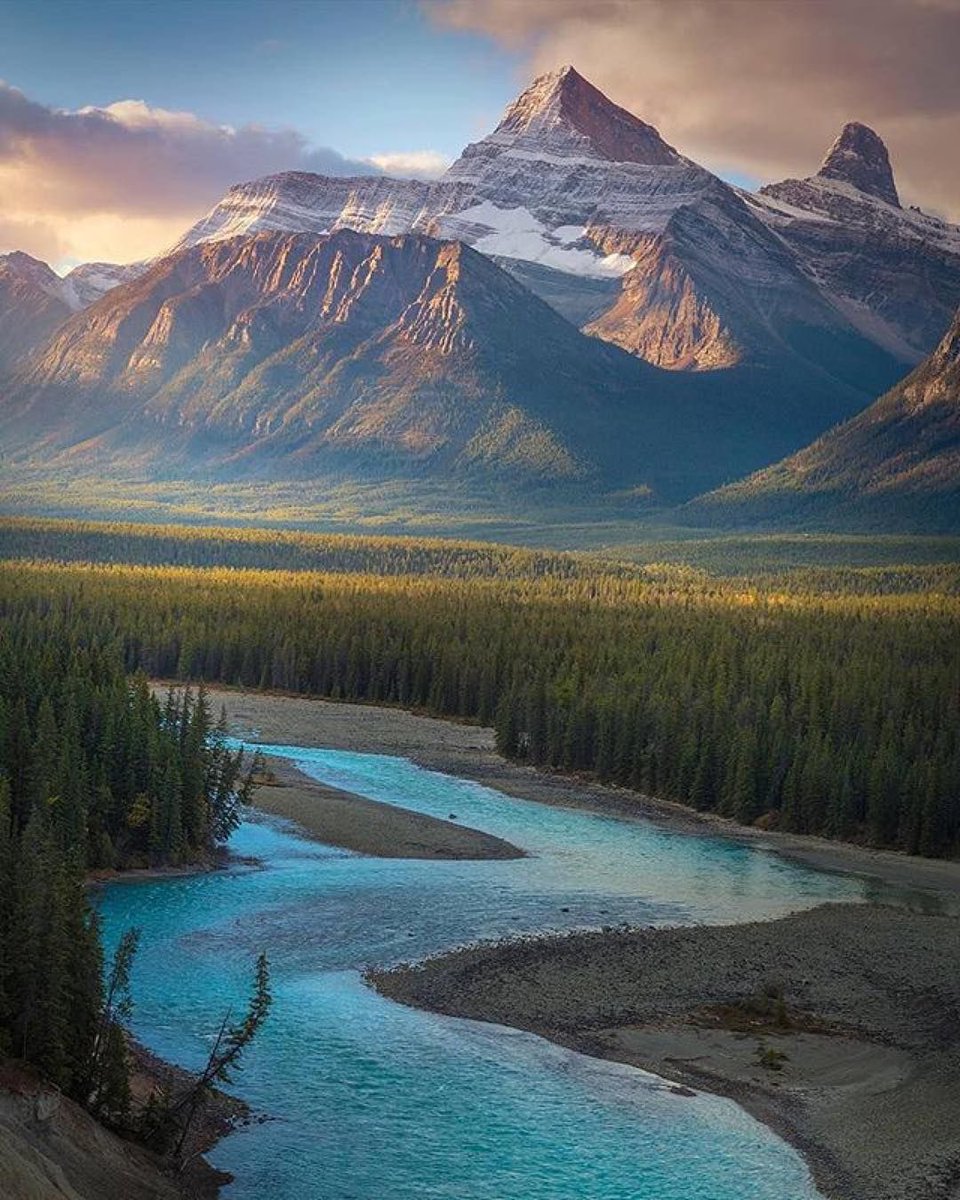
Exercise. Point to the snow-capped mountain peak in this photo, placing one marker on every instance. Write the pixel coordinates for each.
(562, 113)
(589, 208)
(859, 157)
(564, 166)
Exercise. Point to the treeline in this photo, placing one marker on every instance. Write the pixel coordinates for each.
(795, 564)
(830, 714)
(267, 549)
(94, 773)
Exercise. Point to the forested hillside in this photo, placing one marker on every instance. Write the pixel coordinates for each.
(824, 711)
(94, 773)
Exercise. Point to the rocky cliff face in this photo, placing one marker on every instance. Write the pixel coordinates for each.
(51, 1149)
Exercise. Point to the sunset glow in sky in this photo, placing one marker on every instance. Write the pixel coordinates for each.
(121, 121)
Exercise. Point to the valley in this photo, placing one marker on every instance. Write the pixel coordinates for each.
(479, 601)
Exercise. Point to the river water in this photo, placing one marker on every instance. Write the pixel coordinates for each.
(368, 1100)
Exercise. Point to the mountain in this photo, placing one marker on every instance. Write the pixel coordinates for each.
(34, 301)
(562, 157)
(90, 281)
(895, 466)
(720, 331)
(894, 272)
(300, 353)
(278, 354)
(594, 212)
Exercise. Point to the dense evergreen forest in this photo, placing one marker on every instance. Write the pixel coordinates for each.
(824, 562)
(824, 710)
(94, 773)
(266, 549)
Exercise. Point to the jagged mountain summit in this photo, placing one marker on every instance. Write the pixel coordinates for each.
(593, 211)
(893, 272)
(562, 113)
(563, 162)
(895, 465)
(860, 158)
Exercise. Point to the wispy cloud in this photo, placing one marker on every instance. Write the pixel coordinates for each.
(759, 85)
(122, 182)
(413, 164)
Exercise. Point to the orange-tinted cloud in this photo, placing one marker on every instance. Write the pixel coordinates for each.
(122, 182)
(760, 86)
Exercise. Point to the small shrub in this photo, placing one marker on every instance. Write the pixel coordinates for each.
(771, 1059)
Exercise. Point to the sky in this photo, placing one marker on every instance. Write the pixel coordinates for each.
(122, 121)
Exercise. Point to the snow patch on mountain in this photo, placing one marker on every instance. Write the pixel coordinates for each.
(516, 233)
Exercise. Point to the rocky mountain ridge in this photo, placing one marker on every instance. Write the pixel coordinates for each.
(592, 210)
(306, 348)
(278, 355)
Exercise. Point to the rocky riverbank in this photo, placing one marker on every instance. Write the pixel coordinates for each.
(838, 1027)
(468, 751)
(52, 1149)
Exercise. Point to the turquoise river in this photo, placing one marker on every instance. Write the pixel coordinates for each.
(369, 1100)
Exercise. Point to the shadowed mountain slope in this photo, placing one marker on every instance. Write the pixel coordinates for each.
(895, 466)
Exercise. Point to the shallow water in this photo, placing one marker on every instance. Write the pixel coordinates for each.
(369, 1100)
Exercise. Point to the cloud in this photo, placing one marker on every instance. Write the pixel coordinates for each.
(122, 182)
(759, 86)
(412, 164)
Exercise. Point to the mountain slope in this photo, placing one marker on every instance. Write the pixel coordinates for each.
(285, 352)
(279, 355)
(896, 465)
(34, 301)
